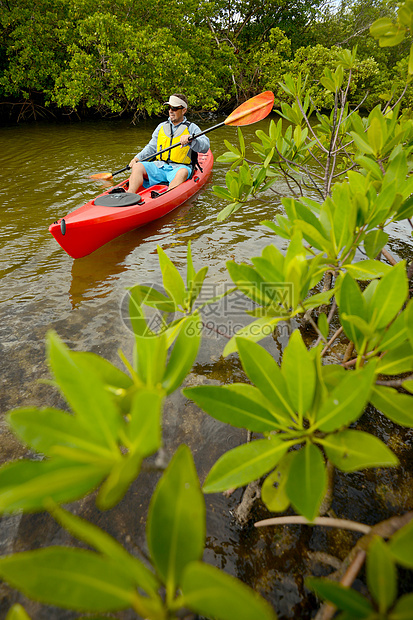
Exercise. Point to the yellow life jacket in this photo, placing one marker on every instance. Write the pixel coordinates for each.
(165, 139)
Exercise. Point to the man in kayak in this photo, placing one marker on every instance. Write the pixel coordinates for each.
(174, 166)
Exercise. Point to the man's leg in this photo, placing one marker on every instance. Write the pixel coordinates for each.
(179, 178)
(136, 178)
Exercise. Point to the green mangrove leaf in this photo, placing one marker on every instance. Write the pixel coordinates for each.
(238, 404)
(347, 401)
(362, 145)
(275, 497)
(17, 612)
(332, 375)
(401, 545)
(367, 269)
(351, 302)
(214, 594)
(351, 450)
(183, 353)
(107, 546)
(323, 325)
(255, 331)
(219, 191)
(344, 598)
(299, 373)
(317, 300)
(381, 27)
(389, 296)
(375, 136)
(395, 335)
(45, 430)
(241, 141)
(307, 480)
(381, 574)
(86, 394)
(315, 238)
(176, 520)
(396, 406)
(109, 374)
(402, 609)
(295, 273)
(374, 242)
(343, 219)
(150, 358)
(283, 229)
(122, 474)
(25, 484)
(137, 316)
(408, 385)
(172, 279)
(371, 166)
(196, 286)
(149, 296)
(268, 271)
(397, 360)
(405, 210)
(358, 323)
(226, 212)
(243, 464)
(95, 583)
(248, 281)
(265, 373)
(144, 427)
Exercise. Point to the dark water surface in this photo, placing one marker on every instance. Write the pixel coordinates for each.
(45, 172)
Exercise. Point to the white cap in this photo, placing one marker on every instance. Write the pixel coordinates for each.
(176, 102)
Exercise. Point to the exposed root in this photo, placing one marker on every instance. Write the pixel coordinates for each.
(243, 510)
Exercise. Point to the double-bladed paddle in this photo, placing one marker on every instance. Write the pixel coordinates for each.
(251, 111)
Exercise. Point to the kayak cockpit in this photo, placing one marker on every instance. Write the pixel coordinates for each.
(123, 199)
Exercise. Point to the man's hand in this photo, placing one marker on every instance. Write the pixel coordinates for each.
(185, 140)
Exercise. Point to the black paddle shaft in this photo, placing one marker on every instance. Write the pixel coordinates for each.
(169, 148)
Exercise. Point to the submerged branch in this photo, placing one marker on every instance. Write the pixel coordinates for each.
(389, 257)
(330, 342)
(344, 524)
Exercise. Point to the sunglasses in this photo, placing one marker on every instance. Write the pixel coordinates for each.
(174, 109)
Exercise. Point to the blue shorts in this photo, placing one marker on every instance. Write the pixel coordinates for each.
(165, 174)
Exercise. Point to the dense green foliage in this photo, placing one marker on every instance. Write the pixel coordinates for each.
(124, 57)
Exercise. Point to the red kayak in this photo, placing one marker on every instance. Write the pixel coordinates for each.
(115, 212)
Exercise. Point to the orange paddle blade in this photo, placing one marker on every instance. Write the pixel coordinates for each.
(101, 175)
(253, 110)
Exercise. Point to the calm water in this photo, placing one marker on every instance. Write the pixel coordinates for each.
(45, 172)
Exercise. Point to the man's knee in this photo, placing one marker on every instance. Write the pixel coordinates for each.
(181, 175)
(139, 169)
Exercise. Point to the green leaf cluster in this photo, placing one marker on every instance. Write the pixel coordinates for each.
(115, 419)
(279, 286)
(106, 578)
(303, 406)
(123, 59)
(115, 423)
